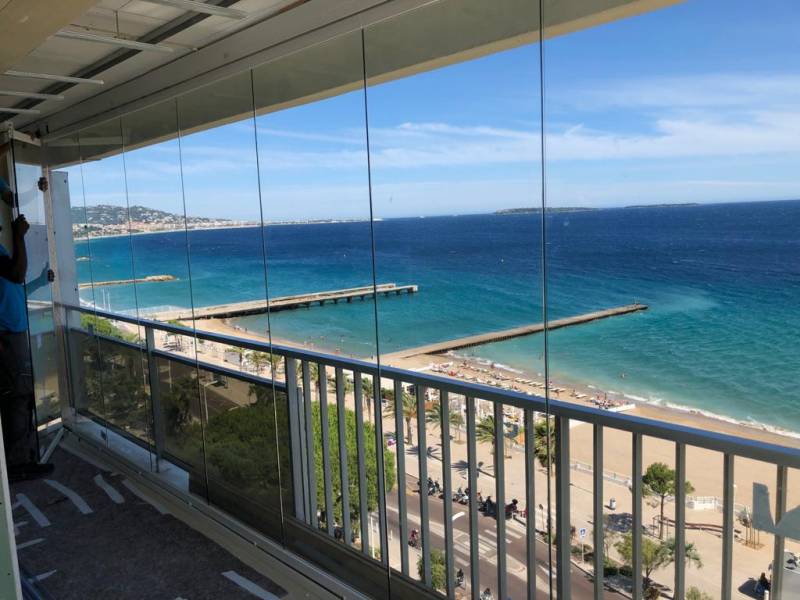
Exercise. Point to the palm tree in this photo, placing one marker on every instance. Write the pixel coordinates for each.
(433, 415)
(258, 359)
(367, 393)
(409, 411)
(544, 452)
(484, 431)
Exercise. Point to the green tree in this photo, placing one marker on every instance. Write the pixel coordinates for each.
(370, 462)
(659, 482)
(438, 570)
(545, 452)
(258, 359)
(433, 415)
(484, 431)
(103, 327)
(367, 393)
(409, 411)
(655, 555)
(694, 593)
(176, 403)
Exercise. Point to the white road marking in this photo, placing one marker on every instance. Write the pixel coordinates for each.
(72, 495)
(109, 489)
(29, 543)
(249, 586)
(44, 575)
(17, 525)
(458, 514)
(136, 492)
(35, 513)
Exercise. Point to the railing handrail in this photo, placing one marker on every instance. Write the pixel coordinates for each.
(691, 436)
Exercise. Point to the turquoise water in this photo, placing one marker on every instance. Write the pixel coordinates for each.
(722, 283)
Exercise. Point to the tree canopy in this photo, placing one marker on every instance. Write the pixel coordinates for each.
(659, 482)
(370, 462)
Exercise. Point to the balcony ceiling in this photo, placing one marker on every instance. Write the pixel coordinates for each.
(205, 48)
(28, 43)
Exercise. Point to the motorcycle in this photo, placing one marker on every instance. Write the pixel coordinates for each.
(413, 539)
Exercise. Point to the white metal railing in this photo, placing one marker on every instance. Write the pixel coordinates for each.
(303, 389)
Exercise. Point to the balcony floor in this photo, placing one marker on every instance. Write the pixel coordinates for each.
(84, 533)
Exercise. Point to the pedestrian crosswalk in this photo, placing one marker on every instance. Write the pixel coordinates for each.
(487, 544)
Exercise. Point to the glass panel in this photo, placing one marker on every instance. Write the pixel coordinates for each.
(668, 184)
(113, 285)
(314, 185)
(313, 164)
(247, 423)
(222, 208)
(155, 195)
(454, 123)
(74, 281)
(183, 419)
(31, 203)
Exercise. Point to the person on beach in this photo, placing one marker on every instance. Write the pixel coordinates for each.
(16, 373)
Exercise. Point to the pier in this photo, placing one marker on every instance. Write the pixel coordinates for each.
(148, 279)
(507, 334)
(254, 307)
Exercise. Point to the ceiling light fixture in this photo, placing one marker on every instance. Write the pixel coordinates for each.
(49, 77)
(202, 7)
(85, 36)
(35, 95)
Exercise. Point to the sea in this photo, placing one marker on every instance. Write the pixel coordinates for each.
(721, 334)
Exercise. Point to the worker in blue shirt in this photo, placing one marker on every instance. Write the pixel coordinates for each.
(16, 373)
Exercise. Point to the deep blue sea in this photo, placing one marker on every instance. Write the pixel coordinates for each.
(722, 283)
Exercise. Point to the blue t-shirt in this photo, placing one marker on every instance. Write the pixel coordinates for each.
(4, 186)
(13, 312)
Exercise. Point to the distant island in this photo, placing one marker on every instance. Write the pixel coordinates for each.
(670, 205)
(525, 210)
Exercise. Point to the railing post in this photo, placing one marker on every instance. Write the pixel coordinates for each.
(344, 476)
(444, 426)
(680, 521)
(636, 528)
(326, 446)
(311, 470)
(425, 535)
(727, 527)
(500, 497)
(363, 516)
(154, 381)
(530, 502)
(472, 475)
(295, 431)
(400, 445)
(776, 587)
(563, 525)
(383, 539)
(597, 511)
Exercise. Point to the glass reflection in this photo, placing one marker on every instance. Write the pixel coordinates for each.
(454, 151)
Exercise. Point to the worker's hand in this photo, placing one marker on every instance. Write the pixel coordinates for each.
(20, 226)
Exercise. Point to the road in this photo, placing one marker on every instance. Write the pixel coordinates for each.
(516, 568)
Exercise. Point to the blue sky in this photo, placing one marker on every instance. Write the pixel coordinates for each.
(699, 102)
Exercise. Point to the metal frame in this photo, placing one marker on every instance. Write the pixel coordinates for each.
(636, 528)
(597, 511)
(680, 521)
(691, 436)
